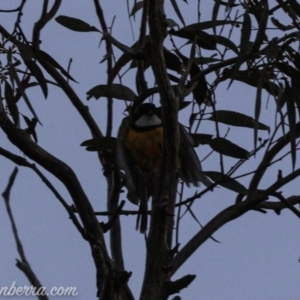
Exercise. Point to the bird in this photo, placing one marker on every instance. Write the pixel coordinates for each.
(139, 155)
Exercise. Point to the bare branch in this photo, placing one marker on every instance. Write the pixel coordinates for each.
(268, 157)
(174, 287)
(277, 207)
(113, 179)
(161, 227)
(23, 265)
(230, 213)
(287, 203)
(44, 19)
(67, 176)
(19, 8)
(76, 102)
(21, 161)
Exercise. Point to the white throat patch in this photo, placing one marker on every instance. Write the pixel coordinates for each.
(147, 121)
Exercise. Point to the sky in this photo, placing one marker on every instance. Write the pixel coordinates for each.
(257, 254)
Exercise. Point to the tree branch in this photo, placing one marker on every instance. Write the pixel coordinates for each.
(44, 19)
(113, 178)
(76, 102)
(268, 157)
(21, 161)
(23, 265)
(174, 287)
(229, 214)
(66, 175)
(277, 207)
(161, 226)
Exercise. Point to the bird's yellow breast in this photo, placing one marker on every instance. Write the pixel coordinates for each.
(145, 148)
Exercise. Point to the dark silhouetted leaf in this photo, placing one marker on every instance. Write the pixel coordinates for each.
(184, 104)
(193, 118)
(133, 64)
(45, 56)
(11, 103)
(75, 24)
(250, 77)
(38, 74)
(236, 119)
(262, 20)
(280, 101)
(102, 144)
(296, 92)
(15, 78)
(244, 45)
(281, 26)
(172, 61)
(107, 146)
(115, 90)
(205, 60)
(227, 182)
(200, 90)
(29, 60)
(209, 24)
(295, 6)
(225, 147)
(291, 113)
(272, 51)
(227, 43)
(215, 15)
(257, 106)
(246, 33)
(287, 69)
(173, 78)
(31, 84)
(124, 59)
(201, 138)
(295, 56)
(204, 40)
(138, 5)
(121, 62)
(177, 10)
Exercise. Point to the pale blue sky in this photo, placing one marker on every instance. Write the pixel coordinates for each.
(258, 254)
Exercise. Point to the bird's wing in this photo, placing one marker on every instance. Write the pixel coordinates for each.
(190, 166)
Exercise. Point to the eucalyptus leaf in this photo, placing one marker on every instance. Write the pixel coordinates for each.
(291, 113)
(227, 182)
(226, 147)
(137, 6)
(11, 103)
(236, 119)
(115, 90)
(75, 24)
